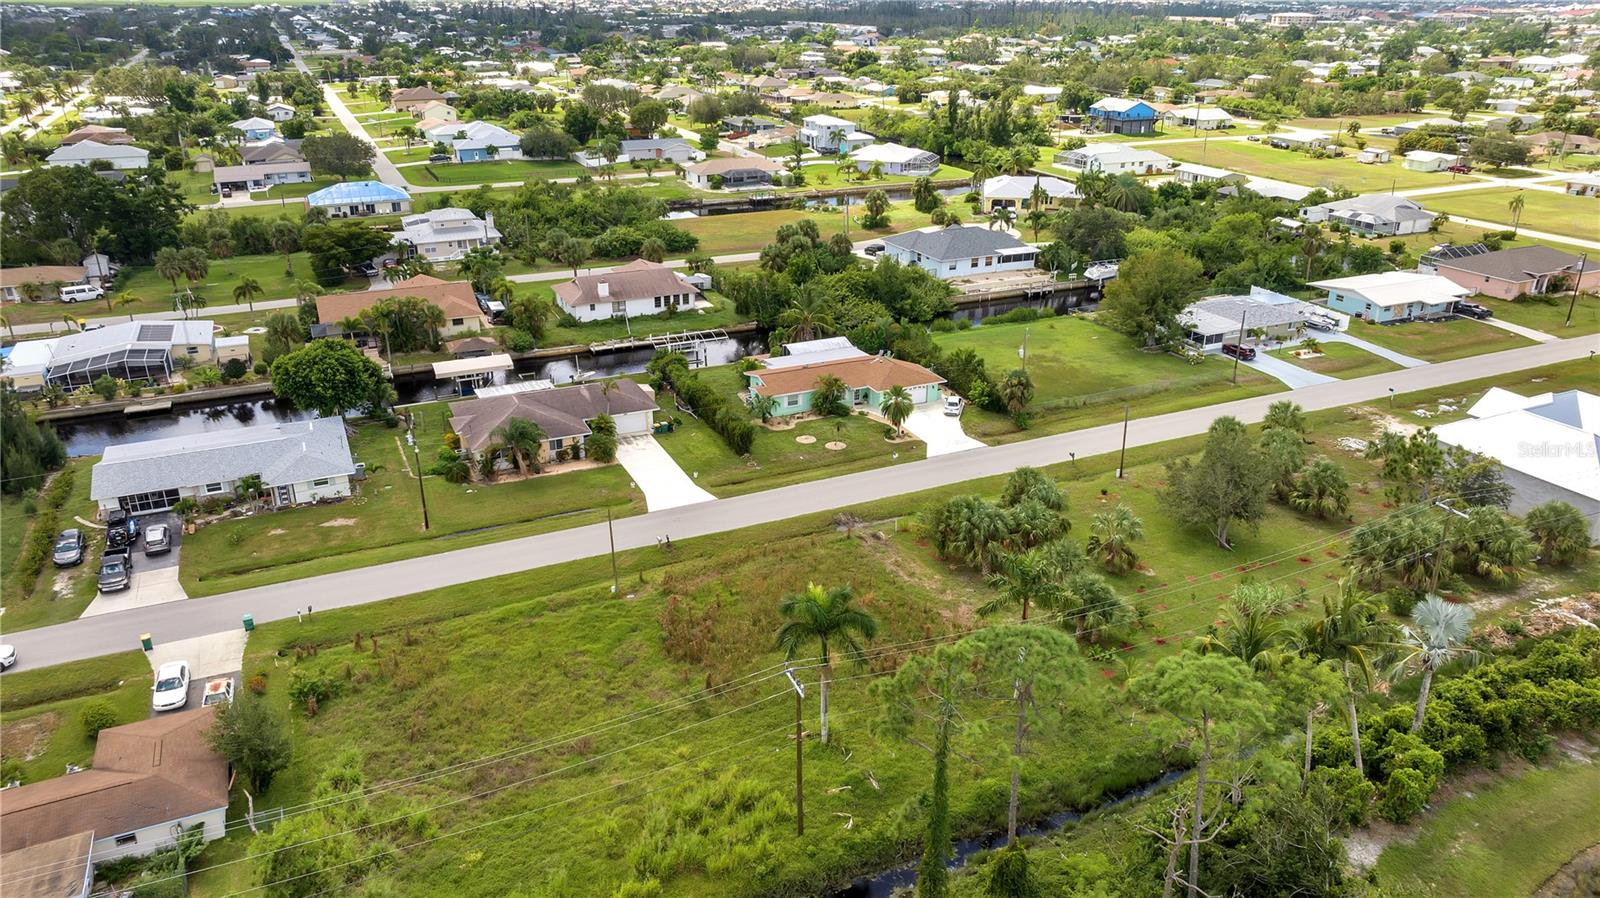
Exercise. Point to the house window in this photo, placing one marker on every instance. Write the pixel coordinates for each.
(792, 400)
(323, 482)
(952, 266)
(556, 444)
(457, 322)
(987, 261)
(213, 488)
(658, 302)
(974, 263)
(193, 350)
(126, 839)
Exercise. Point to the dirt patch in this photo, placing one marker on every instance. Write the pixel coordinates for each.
(1548, 615)
(340, 522)
(276, 531)
(805, 439)
(1578, 874)
(834, 445)
(61, 585)
(28, 738)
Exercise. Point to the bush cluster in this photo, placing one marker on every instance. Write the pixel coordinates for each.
(42, 538)
(728, 420)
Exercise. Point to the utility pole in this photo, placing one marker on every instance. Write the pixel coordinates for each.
(416, 455)
(616, 585)
(1123, 458)
(1240, 348)
(1444, 541)
(1583, 268)
(799, 755)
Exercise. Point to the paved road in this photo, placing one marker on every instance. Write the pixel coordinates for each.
(381, 166)
(92, 637)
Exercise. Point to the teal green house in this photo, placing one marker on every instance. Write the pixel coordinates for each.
(792, 380)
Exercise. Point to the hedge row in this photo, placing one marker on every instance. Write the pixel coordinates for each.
(728, 419)
(41, 539)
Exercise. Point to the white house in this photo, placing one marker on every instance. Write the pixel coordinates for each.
(280, 111)
(665, 150)
(1114, 159)
(1204, 118)
(639, 288)
(1393, 296)
(1049, 93)
(896, 159)
(831, 134)
(122, 157)
(445, 235)
(255, 128)
(732, 173)
(1017, 192)
(1427, 160)
(477, 141)
(1545, 445)
(250, 178)
(960, 251)
(1373, 156)
(1195, 173)
(1373, 215)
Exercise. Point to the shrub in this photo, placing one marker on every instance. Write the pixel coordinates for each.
(261, 369)
(1400, 601)
(727, 419)
(234, 369)
(96, 716)
(257, 684)
(309, 689)
(1404, 795)
(519, 340)
(602, 442)
(204, 376)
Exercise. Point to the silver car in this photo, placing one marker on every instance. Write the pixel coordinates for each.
(157, 540)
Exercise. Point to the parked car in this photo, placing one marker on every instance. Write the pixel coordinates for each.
(171, 690)
(1245, 353)
(872, 249)
(1253, 139)
(439, 157)
(69, 548)
(493, 308)
(1473, 310)
(217, 692)
(158, 540)
(1321, 323)
(122, 529)
(8, 656)
(1460, 169)
(367, 270)
(116, 570)
(953, 405)
(227, 192)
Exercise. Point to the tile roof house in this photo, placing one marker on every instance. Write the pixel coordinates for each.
(99, 134)
(866, 379)
(408, 98)
(734, 172)
(960, 251)
(298, 461)
(86, 152)
(454, 298)
(147, 778)
(638, 288)
(1530, 270)
(564, 414)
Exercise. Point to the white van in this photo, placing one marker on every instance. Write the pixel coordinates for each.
(81, 293)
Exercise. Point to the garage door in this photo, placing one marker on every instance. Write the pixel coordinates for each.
(629, 423)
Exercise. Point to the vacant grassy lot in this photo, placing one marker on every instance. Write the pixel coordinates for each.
(412, 154)
(1340, 360)
(1082, 372)
(1438, 341)
(59, 593)
(385, 521)
(1555, 213)
(750, 231)
(1299, 168)
(1500, 840)
(473, 173)
(1551, 317)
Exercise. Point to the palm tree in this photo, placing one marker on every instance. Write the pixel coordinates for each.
(824, 616)
(1286, 415)
(1114, 533)
(1024, 579)
(1250, 634)
(897, 406)
(247, 291)
(1437, 636)
(1122, 193)
(169, 264)
(1037, 220)
(1091, 604)
(1322, 490)
(764, 406)
(981, 172)
(285, 238)
(525, 439)
(1349, 634)
(1515, 205)
(1002, 216)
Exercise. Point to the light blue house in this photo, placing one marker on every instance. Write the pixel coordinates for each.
(1393, 296)
(357, 198)
(792, 379)
(1119, 115)
(477, 141)
(255, 128)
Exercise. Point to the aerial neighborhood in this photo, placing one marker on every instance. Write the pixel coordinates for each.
(936, 449)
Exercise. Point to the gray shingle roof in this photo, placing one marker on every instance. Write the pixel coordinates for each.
(1516, 264)
(958, 242)
(560, 413)
(281, 453)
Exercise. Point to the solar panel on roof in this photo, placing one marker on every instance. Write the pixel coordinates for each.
(1457, 251)
(155, 333)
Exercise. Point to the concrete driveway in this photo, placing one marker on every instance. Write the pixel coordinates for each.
(657, 475)
(941, 432)
(155, 577)
(215, 655)
(1399, 358)
(1293, 376)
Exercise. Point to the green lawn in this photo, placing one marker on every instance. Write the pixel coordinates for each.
(1299, 168)
(385, 521)
(1438, 341)
(414, 154)
(1340, 360)
(298, 190)
(616, 329)
(472, 173)
(1082, 372)
(1550, 317)
(1501, 840)
(60, 593)
(750, 231)
(1555, 213)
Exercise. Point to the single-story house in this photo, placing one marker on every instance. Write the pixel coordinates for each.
(1298, 140)
(747, 124)
(140, 350)
(58, 868)
(408, 98)
(1583, 185)
(16, 283)
(100, 134)
(280, 111)
(437, 110)
(148, 779)
(866, 379)
(1195, 173)
(26, 362)
(1048, 93)
(1546, 143)
(678, 95)
(298, 462)
(733, 173)
(1545, 445)
(1373, 156)
(564, 414)
(960, 251)
(1215, 320)
(1373, 215)
(1114, 159)
(478, 141)
(810, 352)
(895, 159)
(1017, 192)
(455, 298)
(444, 235)
(357, 198)
(1204, 118)
(638, 288)
(831, 134)
(1120, 115)
(1427, 160)
(251, 178)
(121, 157)
(665, 149)
(277, 149)
(1393, 296)
(1522, 270)
(255, 128)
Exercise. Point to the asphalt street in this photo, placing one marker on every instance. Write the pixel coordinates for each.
(116, 632)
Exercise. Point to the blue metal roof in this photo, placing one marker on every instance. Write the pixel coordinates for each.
(357, 192)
